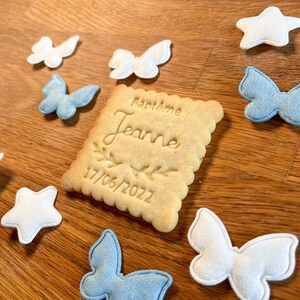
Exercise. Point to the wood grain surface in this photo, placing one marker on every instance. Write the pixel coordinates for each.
(249, 177)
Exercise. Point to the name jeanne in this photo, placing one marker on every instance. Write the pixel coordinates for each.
(138, 133)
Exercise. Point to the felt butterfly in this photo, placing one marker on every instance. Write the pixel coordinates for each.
(107, 282)
(65, 105)
(267, 100)
(145, 66)
(269, 257)
(43, 50)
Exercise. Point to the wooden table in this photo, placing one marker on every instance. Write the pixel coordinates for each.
(249, 177)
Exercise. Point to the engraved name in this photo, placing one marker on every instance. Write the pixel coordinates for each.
(137, 133)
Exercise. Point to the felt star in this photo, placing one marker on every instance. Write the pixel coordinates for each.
(32, 212)
(270, 27)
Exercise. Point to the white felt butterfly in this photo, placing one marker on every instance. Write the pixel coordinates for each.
(43, 50)
(269, 257)
(145, 66)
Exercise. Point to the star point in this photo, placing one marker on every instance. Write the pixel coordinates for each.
(270, 27)
(32, 212)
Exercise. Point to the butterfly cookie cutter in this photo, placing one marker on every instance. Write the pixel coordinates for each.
(43, 50)
(125, 63)
(269, 257)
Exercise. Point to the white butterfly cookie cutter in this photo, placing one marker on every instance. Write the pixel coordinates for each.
(43, 50)
(125, 63)
(269, 257)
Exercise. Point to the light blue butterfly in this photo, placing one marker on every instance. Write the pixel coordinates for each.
(267, 100)
(65, 105)
(107, 282)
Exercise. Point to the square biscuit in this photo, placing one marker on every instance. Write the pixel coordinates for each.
(142, 153)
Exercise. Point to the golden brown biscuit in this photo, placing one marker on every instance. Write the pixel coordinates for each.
(142, 152)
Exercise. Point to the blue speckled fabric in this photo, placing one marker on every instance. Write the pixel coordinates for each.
(107, 282)
(267, 100)
(65, 105)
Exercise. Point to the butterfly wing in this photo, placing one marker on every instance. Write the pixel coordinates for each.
(40, 50)
(208, 236)
(106, 282)
(67, 107)
(270, 257)
(146, 285)
(146, 65)
(54, 91)
(263, 94)
(290, 109)
(122, 62)
(106, 259)
(54, 58)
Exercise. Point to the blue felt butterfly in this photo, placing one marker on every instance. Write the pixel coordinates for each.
(65, 105)
(107, 282)
(267, 100)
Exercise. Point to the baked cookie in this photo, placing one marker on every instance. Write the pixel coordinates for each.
(142, 153)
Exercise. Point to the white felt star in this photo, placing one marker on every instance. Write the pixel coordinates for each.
(32, 212)
(270, 27)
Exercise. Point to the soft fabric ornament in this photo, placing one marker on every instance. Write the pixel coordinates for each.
(43, 50)
(56, 98)
(270, 27)
(267, 100)
(269, 257)
(125, 63)
(32, 212)
(107, 282)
